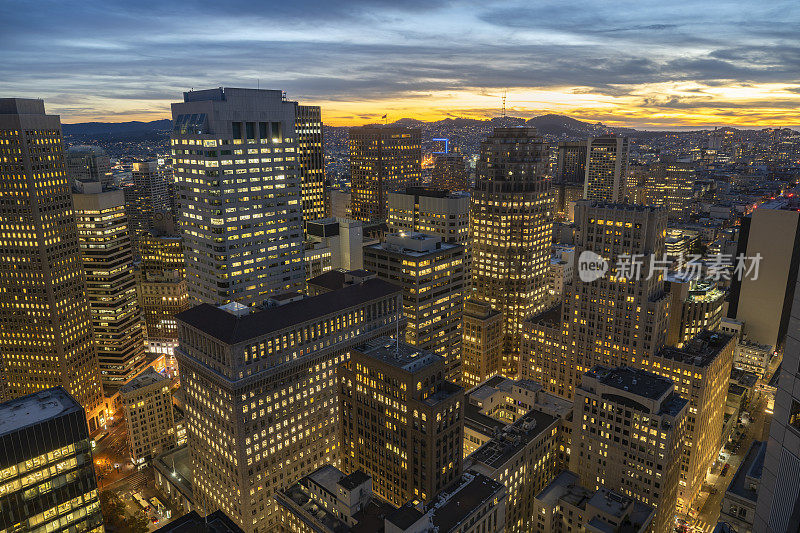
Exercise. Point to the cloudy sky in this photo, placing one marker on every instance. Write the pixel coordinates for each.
(635, 63)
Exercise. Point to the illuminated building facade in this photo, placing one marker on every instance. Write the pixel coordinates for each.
(571, 165)
(88, 163)
(701, 372)
(261, 392)
(147, 403)
(523, 456)
(565, 506)
(671, 185)
(146, 195)
(481, 342)
(511, 230)
(110, 282)
(434, 212)
(382, 159)
(311, 159)
(606, 169)
(694, 306)
(401, 421)
(431, 274)
(620, 318)
(627, 436)
(161, 288)
(45, 322)
(47, 480)
(450, 172)
(241, 210)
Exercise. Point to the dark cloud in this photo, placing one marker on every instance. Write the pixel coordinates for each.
(75, 54)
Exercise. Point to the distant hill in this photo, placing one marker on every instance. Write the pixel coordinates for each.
(117, 128)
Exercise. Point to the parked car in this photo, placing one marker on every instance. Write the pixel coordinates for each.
(725, 469)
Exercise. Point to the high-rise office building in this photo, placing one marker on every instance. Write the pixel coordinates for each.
(670, 185)
(763, 302)
(147, 404)
(619, 318)
(571, 165)
(261, 391)
(311, 159)
(627, 436)
(701, 372)
(46, 465)
(45, 323)
(481, 342)
(778, 505)
(237, 174)
(161, 286)
(606, 169)
(145, 196)
(450, 172)
(382, 159)
(88, 163)
(401, 421)
(511, 229)
(431, 274)
(105, 245)
(435, 212)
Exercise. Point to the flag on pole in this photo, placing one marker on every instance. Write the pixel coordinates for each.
(384, 116)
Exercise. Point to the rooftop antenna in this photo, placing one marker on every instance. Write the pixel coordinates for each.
(504, 102)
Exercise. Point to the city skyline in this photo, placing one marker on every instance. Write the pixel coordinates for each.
(650, 66)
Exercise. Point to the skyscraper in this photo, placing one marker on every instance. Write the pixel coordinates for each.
(627, 436)
(161, 286)
(671, 185)
(88, 163)
(430, 211)
(382, 159)
(144, 197)
(46, 465)
(45, 323)
(779, 492)
(763, 302)
(450, 172)
(261, 391)
(431, 274)
(617, 319)
(511, 222)
(240, 194)
(402, 422)
(110, 281)
(311, 159)
(606, 169)
(571, 165)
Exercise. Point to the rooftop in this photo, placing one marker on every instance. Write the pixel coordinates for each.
(336, 279)
(231, 329)
(700, 351)
(147, 377)
(451, 508)
(216, 522)
(35, 408)
(514, 437)
(404, 356)
(634, 380)
(750, 469)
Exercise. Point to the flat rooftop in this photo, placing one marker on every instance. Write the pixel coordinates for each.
(145, 378)
(451, 508)
(401, 355)
(751, 467)
(36, 408)
(634, 380)
(700, 351)
(216, 522)
(232, 329)
(513, 438)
